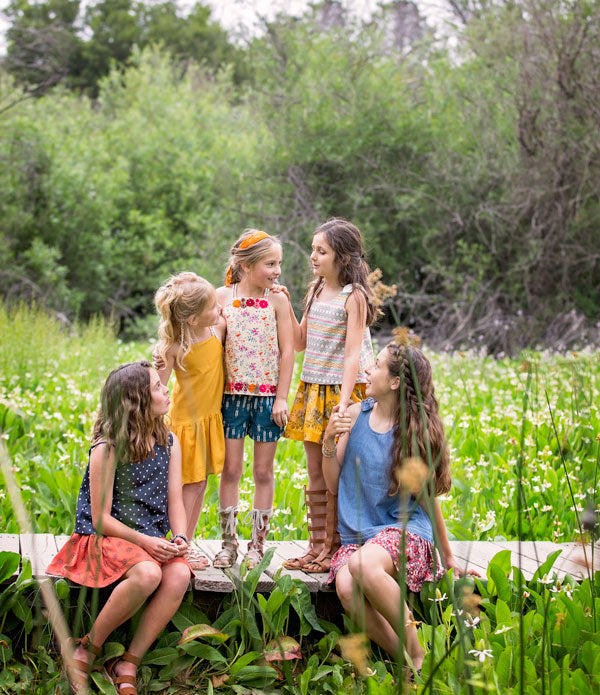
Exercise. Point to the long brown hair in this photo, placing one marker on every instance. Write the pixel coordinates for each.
(125, 418)
(418, 429)
(347, 244)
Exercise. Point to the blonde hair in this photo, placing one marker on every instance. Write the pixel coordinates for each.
(184, 295)
(247, 255)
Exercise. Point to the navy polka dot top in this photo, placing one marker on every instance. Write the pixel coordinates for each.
(139, 495)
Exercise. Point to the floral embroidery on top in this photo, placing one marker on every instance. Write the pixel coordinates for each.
(251, 346)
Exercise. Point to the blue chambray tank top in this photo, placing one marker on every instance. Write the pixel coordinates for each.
(364, 506)
(139, 495)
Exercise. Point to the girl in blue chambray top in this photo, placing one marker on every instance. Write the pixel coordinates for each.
(383, 490)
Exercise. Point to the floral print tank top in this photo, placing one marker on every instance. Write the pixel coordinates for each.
(251, 346)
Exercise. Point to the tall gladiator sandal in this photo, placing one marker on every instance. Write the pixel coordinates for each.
(260, 528)
(128, 682)
(225, 558)
(332, 542)
(316, 514)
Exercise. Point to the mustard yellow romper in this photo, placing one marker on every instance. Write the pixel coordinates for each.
(195, 412)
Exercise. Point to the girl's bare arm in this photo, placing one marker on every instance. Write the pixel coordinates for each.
(175, 508)
(356, 309)
(286, 358)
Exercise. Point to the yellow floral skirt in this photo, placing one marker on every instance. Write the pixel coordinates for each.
(312, 409)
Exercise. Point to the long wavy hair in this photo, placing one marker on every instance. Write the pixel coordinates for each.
(125, 418)
(248, 256)
(347, 244)
(184, 295)
(418, 429)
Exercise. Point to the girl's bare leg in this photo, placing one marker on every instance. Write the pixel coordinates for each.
(262, 471)
(193, 498)
(314, 464)
(373, 569)
(160, 609)
(356, 605)
(229, 485)
(127, 597)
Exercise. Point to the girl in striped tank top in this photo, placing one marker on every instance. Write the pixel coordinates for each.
(334, 332)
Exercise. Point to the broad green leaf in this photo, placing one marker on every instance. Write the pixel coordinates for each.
(202, 651)
(282, 649)
(9, 564)
(498, 574)
(546, 566)
(160, 657)
(195, 632)
(243, 661)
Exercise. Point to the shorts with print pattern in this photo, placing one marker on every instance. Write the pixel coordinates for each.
(250, 415)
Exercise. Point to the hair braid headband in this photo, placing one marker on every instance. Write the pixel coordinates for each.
(246, 243)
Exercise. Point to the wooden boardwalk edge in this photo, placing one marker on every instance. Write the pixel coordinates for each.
(40, 548)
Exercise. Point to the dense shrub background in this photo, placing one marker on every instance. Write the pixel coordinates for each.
(472, 172)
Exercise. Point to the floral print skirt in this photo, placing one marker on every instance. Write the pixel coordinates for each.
(419, 556)
(312, 409)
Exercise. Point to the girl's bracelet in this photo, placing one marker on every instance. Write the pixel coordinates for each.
(329, 452)
(183, 538)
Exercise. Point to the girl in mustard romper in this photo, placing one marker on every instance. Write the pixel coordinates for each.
(191, 336)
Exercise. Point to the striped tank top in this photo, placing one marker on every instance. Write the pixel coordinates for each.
(326, 339)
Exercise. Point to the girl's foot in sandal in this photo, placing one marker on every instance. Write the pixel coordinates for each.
(84, 654)
(316, 512)
(197, 559)
(225, 558)
(298, 563)
(121, 672)
(322, 563)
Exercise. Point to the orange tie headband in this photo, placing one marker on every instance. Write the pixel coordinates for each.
(252, 239)
(249, 241)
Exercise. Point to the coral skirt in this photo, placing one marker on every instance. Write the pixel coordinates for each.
(97, 561)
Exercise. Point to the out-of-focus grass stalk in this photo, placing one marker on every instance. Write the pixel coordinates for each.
(55, 614)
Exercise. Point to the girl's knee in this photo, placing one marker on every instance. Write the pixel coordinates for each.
(263, 475)
(147, 575)
(344, 588)
(366, 573)
(176, 578)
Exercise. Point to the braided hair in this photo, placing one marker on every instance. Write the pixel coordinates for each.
(419, 430)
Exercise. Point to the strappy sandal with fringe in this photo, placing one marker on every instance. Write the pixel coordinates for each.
(226, 557)
(128, 682)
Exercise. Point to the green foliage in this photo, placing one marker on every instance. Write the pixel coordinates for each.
(472, 173)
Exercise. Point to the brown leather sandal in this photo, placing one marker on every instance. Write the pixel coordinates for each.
(82, 669)
(129, 682)
(322, 562)
(316, 513)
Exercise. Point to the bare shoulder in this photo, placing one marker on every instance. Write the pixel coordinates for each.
(279, 300)
(354, 411)
(357, 299)
(224, 294)
(175, 441)
(102, 453)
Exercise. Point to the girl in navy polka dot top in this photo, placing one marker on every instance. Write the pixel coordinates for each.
(129, 500)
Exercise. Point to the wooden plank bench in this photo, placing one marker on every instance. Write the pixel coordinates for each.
(40, 548)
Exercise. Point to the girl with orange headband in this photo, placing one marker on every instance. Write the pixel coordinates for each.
(259, 358)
